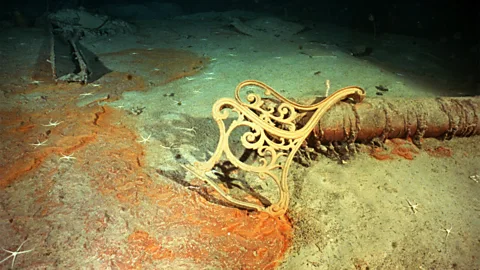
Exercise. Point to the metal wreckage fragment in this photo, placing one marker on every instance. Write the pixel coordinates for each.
(70, 60)
(275, 128)
(73, 62)
(378, 119)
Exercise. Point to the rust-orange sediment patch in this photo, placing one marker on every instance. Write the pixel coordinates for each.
(396, 148)
(108, 88)
(439, 151)
(25, 130)
(134, 70)
(159, 65)
(211, 234)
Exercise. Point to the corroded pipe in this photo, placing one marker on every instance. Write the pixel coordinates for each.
(413, 118)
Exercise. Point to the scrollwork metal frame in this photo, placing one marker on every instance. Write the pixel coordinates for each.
(273, 134)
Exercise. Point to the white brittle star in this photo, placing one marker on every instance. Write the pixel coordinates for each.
(192, 129)
(69, 157)
(145, 140)
(172, 146)
(35, 82)
(52, 124)
(86, 94)
(447, 231)
(15, 253)
(413, 206)
(39, 143)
